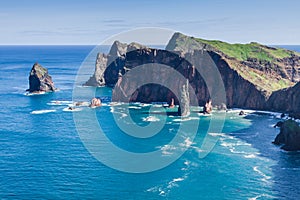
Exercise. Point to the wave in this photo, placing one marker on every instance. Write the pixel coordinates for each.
(112, 110)
(135, 107)
(183, 119)
(250, 156)
(217, 134)
(37, 112)
(34, 94)
(71, 109)
(164, 189)
(115, 103)
(59, 103)
(262, 195)
(151, 119)
(187, 143)
(167, 149)
(204, 115)
(265, 177)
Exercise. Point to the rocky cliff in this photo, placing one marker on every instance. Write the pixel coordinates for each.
(286, 100)
(289, 136)
(40, 80)
(254, 76)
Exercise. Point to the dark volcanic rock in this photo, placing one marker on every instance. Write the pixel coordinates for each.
(289, 136)
(107, 67)
(286, 100)
(207, 109)
(40, 80)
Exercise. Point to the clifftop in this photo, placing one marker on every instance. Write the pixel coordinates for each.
(269, 68)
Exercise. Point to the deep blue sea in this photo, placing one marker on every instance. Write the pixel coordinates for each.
(42, 155)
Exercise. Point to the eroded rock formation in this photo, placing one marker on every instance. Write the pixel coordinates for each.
(289, 136)
(40, 80)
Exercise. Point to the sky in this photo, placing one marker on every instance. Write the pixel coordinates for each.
(92, 21)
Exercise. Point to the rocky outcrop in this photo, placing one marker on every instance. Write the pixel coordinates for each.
(40, 80)
(289, 136)
(98, 77)
(286, 100)
(105, 73)
(184, 108)
(207, 109)
(95, 102)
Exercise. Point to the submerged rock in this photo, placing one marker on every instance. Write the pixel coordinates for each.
(289, 136)
(242, 112)
(40, 80)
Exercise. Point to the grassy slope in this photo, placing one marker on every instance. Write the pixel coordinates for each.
(264, 54)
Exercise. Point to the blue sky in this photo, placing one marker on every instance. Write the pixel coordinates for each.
(91, 21)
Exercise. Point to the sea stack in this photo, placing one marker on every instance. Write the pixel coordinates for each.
(289, 136)
(184, 108)
(207, 109)
(40, 80)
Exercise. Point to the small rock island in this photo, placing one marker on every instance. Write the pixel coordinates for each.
(39, 80)
(289, 136)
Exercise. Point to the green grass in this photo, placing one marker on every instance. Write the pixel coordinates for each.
(243, 52)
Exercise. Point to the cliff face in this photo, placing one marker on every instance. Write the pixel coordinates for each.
(105, 66)
(40, 80)
(286, 100)
(254, 75)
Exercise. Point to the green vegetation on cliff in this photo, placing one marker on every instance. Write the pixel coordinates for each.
(268, 68)
(243, 52)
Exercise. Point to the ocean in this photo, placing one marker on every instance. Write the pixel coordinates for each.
(43, 155)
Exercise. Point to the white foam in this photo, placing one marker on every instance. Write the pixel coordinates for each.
(37, 112)
(237, 110)
(164, 189)
(265, 177)
(250, 156)
(80, 104)
(134, 107)
(157, 105)
(262, 195)
(183, 119)
(34, 94)
(59, 103)
(167, 149)
(145, 105)
(187, 142)
(115, 103)
(151, 119)
(174, 182)
(217, 134)
(72, 110)
(205, 115)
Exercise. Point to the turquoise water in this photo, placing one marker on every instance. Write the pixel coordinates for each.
(42, 155)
